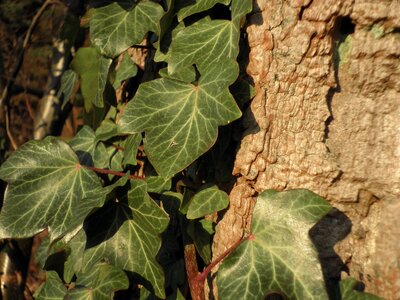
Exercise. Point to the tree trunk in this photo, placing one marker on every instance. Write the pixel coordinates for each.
(326, 118)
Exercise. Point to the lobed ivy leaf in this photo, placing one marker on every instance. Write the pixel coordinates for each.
(52, 289)
(348, 291)
(190, 8)
(126, 233)
(46, 187)
(117, 26)
(93, 71)
(68, 82)
(206, 202)
(126, 69)
(181, 119)
(280, 257)
(208, 41)
(99, 283)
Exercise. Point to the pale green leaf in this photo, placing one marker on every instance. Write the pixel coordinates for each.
(107, 130)
(158, 184)
(280, 256)
(52, 288)
(117, 26)
(186, 74)
(180, 119)
(68, 82)
(99, 283)
(46, 186)
(131, 145)
(193, 7)
(89, 151)
(127, 234)
(206, 202)
(239, 9)
(348, 291)
(126, 69)
(93, 71)
(73, 264)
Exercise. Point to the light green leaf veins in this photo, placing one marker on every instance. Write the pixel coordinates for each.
(117, 26)
(45, 188)
(127, 234)
(181, 119)
(280, 257)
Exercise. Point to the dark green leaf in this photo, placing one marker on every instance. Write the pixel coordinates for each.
(280, 256)
(181, 119)
(186, 74)
(126, 69)
(68, 82)
(93, 71)
(199, 232)
(197, 6)
(127, 234)
(89, 151)
(99, 283)
(46, 186)
(348, 292)
(206, 202)
(52, 288)
(119, 25)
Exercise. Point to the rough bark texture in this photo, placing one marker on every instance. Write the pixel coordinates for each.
(325, 117)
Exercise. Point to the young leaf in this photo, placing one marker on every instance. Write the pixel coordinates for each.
(280, 256)
(347, 291)
(46, 185)
(52, 288)
(200, 233)
(93, 71)
(131, 145)
(206, 202)
(181, 119)
(119, 25)
(89, 151)
(126, 70)
(197, 6)
(68, 82)
(127, 234)
(99, 283)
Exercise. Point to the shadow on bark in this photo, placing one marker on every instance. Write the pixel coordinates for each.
(334, 227)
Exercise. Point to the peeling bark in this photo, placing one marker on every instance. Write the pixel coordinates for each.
(325, 118)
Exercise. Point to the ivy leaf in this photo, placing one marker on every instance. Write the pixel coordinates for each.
(68, 82)
(186, 74)
(197, 6)
(127, 234)
(99, 283)
(181, 119)
(93, 71)
(119, 25)
(89, 151)
(348, 291)
(201, 232)
(52, 288)
(45, 188)
(131, 145)
(206, 202)
(280, 257)
(126, 70)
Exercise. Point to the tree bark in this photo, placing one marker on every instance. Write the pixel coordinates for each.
(325, 117)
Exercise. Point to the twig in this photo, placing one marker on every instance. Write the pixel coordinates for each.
(111, 172)
(9, 134)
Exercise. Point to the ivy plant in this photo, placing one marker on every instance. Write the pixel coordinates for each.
(132, 200)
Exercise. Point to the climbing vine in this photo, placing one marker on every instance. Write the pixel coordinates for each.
(132, 200)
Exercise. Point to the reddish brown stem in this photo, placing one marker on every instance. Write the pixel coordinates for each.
(111, 172)
(196, 287)
(201, 277)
